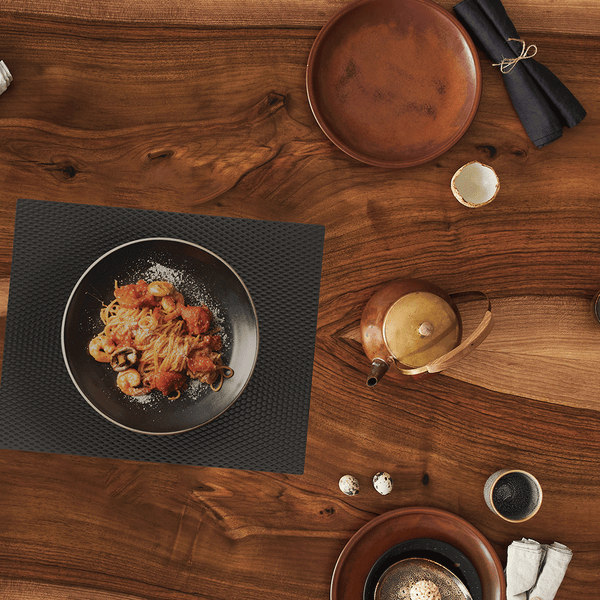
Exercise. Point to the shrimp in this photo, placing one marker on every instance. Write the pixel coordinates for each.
(101, 348)
(172, 305)
(129, 383)
(135, 295)
(161, 288)
(168, 304)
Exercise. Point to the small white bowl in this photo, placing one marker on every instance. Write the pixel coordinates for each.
(475, 184)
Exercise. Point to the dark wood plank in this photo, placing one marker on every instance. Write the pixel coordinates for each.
(202, 108)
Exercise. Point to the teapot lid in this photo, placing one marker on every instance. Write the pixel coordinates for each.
(420, 579)
(420, 327)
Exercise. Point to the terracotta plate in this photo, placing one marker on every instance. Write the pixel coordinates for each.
(391, 528)
(393, 83)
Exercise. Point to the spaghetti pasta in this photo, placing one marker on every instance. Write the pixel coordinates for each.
(155, 341)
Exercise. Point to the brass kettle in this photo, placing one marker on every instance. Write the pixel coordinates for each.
(416, 326)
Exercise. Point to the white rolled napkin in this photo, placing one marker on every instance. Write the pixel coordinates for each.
(523, 562)
(5, 77)
(535, 571)
(553, 570)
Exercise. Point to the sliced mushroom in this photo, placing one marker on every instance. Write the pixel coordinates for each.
(123, 358)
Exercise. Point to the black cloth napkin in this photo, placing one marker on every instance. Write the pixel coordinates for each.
(544, 104)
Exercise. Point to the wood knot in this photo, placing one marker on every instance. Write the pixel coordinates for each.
(274, 102)
(160, 154)
(519, 153)
(69, 171)
(489, 150)
(62, 170)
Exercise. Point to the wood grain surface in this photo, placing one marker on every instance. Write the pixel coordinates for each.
(201, 107)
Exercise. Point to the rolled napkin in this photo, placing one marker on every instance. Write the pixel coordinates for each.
(543, 103)
(522, 567)
(554, 567)
(5, 77)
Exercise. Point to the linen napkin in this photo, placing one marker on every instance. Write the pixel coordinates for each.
(5, 77)
(555, 564)
(543, 103)
(535, 571)
(522, 567)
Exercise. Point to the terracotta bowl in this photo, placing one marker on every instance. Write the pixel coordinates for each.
(384, 532)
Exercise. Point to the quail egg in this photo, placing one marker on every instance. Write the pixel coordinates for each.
(383, 483)
(349, 485)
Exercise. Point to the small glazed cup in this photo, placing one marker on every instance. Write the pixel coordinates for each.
(596, 306)
(475, 184)
(513, 495)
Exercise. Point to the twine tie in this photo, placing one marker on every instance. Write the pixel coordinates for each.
(508, 64)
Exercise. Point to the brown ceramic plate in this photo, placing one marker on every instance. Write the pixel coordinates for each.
(391, 528)
(393, 83)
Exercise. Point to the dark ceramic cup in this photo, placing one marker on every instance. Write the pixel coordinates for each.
(513, 495)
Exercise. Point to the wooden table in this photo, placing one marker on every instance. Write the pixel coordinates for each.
(201, 107)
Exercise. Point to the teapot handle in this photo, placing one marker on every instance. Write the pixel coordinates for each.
(466, 347)
(480, 333)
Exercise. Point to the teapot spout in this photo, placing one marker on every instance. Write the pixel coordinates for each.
(379, 368)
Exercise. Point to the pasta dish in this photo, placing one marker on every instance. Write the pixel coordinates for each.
(154, 340)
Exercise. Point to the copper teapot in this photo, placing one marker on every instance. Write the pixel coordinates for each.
(416, 326)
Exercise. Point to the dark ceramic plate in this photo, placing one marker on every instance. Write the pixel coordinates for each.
(380, 534)
(393, 83)
(440, 552)
(202, 277)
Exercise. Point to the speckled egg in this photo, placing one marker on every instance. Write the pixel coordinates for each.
(349, 485)
(383, 483)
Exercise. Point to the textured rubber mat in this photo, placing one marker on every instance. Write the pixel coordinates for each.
(264, 430)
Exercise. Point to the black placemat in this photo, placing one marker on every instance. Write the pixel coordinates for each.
(265, 429)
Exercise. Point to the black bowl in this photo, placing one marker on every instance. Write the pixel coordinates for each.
(202, 277)
(441, 552)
